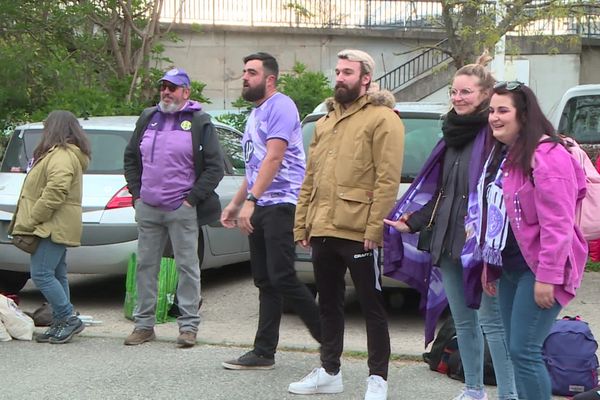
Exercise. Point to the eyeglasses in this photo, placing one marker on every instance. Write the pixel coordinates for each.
(168, 85)
(508, 85)
(462, 93)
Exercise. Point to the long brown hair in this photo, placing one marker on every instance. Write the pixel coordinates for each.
(62, 128)
(533, 125)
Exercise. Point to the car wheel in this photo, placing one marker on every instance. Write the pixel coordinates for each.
(287, 307)
(12, 281)
(201, 246)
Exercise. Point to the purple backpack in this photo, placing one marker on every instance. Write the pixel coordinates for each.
(570, 355)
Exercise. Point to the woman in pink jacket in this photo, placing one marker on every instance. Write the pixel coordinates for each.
(526, 230)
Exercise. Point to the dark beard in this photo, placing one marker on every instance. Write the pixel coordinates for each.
(254, 94)
(346, 95)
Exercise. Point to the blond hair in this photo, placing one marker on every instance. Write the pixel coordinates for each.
(479, 70)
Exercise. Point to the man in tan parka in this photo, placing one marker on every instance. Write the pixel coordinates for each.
(351, 183)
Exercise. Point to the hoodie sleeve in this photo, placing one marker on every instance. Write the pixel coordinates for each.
(213, 164)
(555, 197)
(132, 164)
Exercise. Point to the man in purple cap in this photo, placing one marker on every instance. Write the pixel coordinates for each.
(173, 163)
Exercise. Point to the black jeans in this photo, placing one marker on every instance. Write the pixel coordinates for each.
(272, 261)
(331, 256)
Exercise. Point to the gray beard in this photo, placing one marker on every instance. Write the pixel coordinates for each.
(169, 108)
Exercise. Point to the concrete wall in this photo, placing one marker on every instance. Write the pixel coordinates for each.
(590, 62)
(214, 56)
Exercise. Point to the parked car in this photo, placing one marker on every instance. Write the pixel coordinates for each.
(422, 130)
(109, 229)
(578, 115)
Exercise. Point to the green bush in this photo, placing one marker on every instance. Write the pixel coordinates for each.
(307, 89)
(592, 266)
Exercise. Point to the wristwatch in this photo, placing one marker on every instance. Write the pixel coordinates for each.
(250, 197)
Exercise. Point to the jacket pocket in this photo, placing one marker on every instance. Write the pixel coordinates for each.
(352, 208)
(527, 203)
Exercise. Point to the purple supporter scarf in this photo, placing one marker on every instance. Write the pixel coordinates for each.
(402, 260)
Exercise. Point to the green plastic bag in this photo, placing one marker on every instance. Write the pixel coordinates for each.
(167, 287)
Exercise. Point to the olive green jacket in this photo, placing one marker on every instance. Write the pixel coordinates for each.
(353, 171)
(50, 201)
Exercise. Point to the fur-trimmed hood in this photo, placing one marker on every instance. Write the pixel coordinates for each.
(377, 98)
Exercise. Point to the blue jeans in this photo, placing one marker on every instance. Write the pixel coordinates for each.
(49, 274)
(527, 326)
(471, 325)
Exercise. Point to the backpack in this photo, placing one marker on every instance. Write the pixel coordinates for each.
(455, 367)
(442, 347)
(569, 352)
(444, 356)
(586, 214)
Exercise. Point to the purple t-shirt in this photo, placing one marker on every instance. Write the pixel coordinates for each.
(276, 118)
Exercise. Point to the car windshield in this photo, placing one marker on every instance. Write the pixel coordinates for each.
(581, 119)
(107, 150)
(422, 131)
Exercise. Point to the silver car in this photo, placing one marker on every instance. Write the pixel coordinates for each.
(422, 130)
(109, 229)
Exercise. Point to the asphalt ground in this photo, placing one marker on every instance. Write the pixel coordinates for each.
(96, 365)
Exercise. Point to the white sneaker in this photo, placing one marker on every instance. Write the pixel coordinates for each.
(376, 388)
(465, 396)
(318, 381)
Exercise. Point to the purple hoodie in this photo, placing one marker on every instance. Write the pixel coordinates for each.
(167, 158)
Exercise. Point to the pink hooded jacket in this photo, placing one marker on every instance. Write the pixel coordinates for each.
(542, 215)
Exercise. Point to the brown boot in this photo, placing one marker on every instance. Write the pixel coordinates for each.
(139, 336)
(186, 339)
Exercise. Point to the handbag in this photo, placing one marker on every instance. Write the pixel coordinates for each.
(27, 243)
(426, 234)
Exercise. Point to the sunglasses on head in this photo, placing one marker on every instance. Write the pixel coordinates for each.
(168, 85)
(508, 85)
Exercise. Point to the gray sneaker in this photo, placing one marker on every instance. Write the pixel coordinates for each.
(250, 360)
(66, 330)
(139, 336)
(45, 336)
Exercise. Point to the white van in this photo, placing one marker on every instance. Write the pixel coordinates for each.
(578, 114)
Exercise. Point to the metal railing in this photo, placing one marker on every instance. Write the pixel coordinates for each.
(413, 68)
(303, 13)
(371, 14)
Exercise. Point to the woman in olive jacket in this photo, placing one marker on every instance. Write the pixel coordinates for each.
(49, 208)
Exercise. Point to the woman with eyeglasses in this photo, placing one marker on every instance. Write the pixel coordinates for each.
(49, 209)
(528, 194)
(460, 155)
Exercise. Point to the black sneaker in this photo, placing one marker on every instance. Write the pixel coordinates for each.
(66, 330)
(250, 360)
(45, 337)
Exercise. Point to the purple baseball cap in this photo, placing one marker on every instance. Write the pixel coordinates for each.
(177, 77)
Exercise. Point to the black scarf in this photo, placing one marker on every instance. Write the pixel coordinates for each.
(458, 130)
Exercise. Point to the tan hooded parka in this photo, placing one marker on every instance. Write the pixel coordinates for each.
(353, 171)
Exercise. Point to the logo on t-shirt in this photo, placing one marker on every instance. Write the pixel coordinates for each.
(248, 151)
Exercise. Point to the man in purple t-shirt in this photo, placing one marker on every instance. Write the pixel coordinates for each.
(264, 208)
